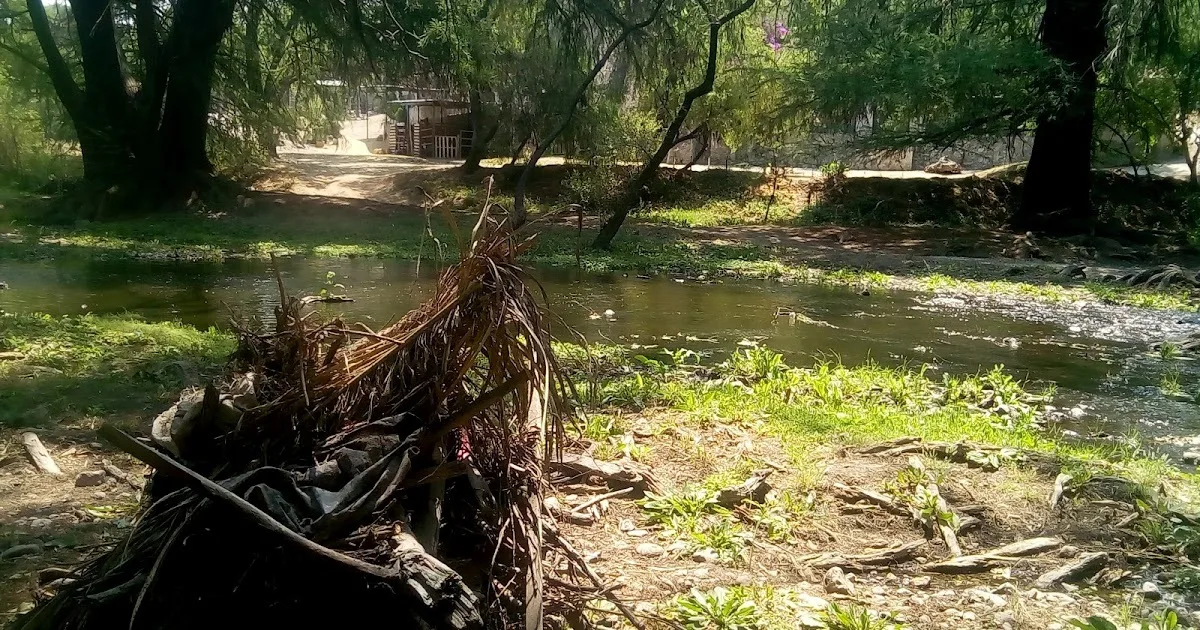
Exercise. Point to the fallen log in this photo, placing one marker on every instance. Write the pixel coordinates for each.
(854, 495)
(978, 563)
(1085, 566)
(884, 557)
(38, 455)
(119, 475)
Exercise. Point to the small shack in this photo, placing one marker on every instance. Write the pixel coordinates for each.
(431, 128)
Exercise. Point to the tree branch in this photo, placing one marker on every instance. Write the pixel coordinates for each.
(56, 67)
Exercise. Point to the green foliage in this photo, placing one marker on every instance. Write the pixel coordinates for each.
(757, 362)
(719, 609)
(73, 367)
(854, 617)
(1165, 620)
(697, 520)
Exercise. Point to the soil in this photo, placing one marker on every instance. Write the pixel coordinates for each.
(1014, 507)
(65, 523)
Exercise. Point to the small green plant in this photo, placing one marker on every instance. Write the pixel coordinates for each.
(601, 427)
(664, 509)
(1165, 620)
(330, 285)
(1168, 350)
(1186, 581)
(1170, 382)
(757, 362)
(833, 169)
(854, 618)
(719, 609)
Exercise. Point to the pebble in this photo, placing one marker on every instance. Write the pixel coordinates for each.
(40, 523)
(705, 555)
(637, 533)
(627, 525)
(90, 478)
(1150, 592)
(650, 549)
(1004, 616)
(980, 595)
(1191, 457)
(921, 581)
(804, 600)
(968, 616)
(100, 494)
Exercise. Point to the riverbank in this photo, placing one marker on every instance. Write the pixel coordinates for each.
(860, 258)
(699, 427)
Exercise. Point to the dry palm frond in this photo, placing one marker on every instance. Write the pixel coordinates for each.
(455, 404)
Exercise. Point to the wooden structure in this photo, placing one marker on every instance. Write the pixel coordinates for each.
(431, 128)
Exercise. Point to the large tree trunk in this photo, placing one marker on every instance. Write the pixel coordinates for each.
(481, 132)
(195, 37)
(151, 145)
(1057, 191)
(649, 170)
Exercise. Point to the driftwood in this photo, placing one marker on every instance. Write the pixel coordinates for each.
(601, 498)
(957, 452)
(38, 455)
(754, 490)
(427, 582)
(1085, 566)
(119, 475)
(979, 563)
(618, 475)
(854, 495)
(1059, 487)
(884, 557)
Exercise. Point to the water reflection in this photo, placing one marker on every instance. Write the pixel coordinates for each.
(1094, 353)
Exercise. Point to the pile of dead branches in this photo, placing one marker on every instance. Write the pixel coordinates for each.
(345, 476)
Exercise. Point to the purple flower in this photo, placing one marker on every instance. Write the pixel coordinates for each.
(773, 35)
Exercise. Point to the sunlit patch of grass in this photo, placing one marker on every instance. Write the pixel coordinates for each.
(113, 366)
(1167, 299)
(833, 404)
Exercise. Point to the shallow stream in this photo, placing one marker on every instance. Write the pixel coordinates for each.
(1098, 356)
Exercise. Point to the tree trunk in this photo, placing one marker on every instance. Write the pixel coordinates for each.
(192, 47)
(1057, 191)
(649, 170)
(480, 138)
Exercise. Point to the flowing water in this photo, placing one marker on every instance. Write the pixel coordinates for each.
(1097, 356)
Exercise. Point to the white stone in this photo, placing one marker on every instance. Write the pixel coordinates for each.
(921, 581)
(40, 523)
(650, 549)
(90, 478)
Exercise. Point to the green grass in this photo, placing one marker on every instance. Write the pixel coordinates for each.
(830, 403)
(114, 367)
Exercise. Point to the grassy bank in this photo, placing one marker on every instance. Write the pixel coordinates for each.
(354, 228)
(63, 371)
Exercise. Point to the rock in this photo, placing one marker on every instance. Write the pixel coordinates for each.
(1087, 565)
(351, 462)
(813, 602)
(1003, 617)
(637, 533)
(921, 581)
(1191, 457)
(626, 525)
(649, 549)
(968, 616)
(1180, 397)
(677, 547)
(944, 166)
(21, 550)
(1072, 271)
(1150, 592)
(705, 555)
(986, 597)
(40, 523)
(837, 582)
(90, 478)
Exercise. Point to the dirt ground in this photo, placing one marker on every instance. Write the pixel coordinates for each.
(651, 568)
(49, 521)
